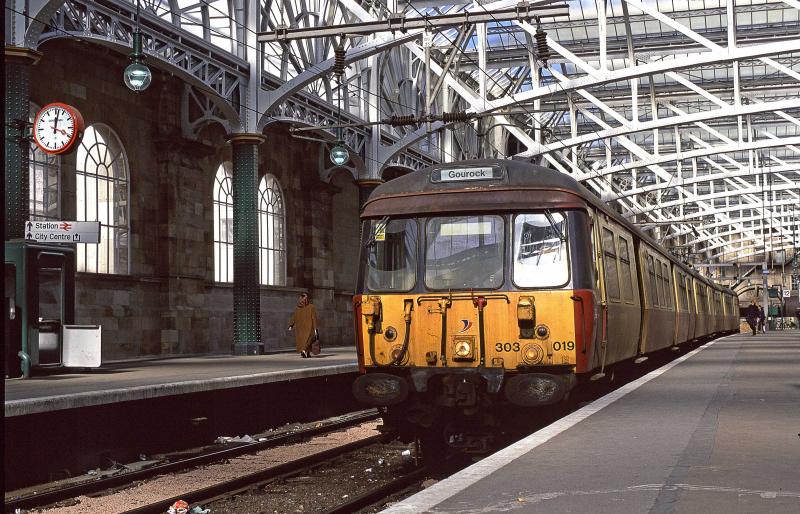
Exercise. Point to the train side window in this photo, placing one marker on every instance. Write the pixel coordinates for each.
(651, 271)
(682, 293)
(625, 266)
(660, 284)
(668, 290)
(610, 265)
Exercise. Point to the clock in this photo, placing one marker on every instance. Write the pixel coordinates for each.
(58, 128)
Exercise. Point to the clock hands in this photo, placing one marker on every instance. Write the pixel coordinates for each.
(55, 123)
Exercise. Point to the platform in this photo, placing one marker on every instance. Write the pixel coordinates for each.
(157, 378)
(715, 431)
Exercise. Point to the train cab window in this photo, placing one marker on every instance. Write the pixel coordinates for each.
(610, 265)
(464, 252)
(651, 271)
(391, 255)
(540, 250)
(625, 267)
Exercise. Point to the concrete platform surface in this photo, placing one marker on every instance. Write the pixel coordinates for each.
(152, 379)
(715, 432)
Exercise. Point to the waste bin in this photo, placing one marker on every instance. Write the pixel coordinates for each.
(49, 342)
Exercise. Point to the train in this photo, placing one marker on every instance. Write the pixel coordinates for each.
(489, 287)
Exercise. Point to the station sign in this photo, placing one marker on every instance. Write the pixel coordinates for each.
(63, 231)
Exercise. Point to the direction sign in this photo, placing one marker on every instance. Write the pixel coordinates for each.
(63, 231)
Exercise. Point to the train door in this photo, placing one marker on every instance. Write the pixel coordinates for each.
(685, 318)
(621, 315)
(701, 325)
(691, 307)
(649, 298)
(670, 303)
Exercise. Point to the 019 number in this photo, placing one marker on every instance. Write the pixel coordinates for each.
(507, 347)
(566, 345)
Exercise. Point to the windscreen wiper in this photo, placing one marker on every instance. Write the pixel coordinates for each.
(554, 226)
(380, 225)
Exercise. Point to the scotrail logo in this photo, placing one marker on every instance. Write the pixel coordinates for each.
(465, 325)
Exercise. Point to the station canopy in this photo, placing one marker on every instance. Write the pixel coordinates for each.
(683, 114)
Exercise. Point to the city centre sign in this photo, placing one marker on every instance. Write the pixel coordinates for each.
(63, 231)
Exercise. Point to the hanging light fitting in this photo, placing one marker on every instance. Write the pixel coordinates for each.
(137, 75)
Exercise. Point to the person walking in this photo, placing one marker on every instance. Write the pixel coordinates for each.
(751, 315)
(304, 323)
(762, 318)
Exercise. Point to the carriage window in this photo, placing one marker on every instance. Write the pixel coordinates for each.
(464, 252)
(391, 255)
(540, 250)
(610, 265)
(651, 270)
(625, 266)
(682, 293)
(668, 292)
(660, 284)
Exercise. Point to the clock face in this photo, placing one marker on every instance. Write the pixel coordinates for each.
(57, 128)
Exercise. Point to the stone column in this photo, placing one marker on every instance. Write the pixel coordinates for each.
(246, 299)
(18, 64)
(365, 187)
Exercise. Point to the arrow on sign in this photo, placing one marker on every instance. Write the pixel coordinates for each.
(30, 226)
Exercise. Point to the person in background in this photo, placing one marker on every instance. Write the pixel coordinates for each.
(761, 320)
(304, 323)
(751, 315)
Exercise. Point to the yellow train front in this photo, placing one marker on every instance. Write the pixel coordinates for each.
(476, 293)
(487, 287)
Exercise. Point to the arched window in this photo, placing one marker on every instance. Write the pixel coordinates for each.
(271, 237)
(45, 180)
(223, 224)
(101, 192)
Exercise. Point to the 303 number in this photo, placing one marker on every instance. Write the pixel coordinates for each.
(507, 347)
(565, 345)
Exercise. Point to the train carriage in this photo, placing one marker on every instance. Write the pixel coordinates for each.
(488, 286)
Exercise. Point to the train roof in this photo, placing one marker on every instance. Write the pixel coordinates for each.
(492, 185)
(514, 173)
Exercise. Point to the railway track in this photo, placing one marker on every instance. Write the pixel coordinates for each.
(232, 487)
(52, 496)
(380, 495)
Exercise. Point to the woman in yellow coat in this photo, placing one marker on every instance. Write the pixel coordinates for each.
(304, 321)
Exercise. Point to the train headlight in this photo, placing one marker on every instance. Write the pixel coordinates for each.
(532, 354)
(380, 389)
(463, 350)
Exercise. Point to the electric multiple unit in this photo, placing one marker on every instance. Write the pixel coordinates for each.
(487, 287)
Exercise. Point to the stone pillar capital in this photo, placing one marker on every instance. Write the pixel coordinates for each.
(365, 188)
(369, 182)
(246, 139)
(22, 55)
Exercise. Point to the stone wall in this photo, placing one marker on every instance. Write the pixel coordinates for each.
(169, 304)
